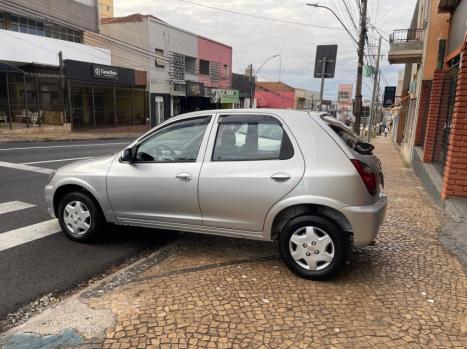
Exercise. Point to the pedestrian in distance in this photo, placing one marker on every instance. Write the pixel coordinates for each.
(386, 130)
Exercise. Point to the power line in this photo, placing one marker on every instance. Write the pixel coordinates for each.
(350, 15)
(259, 17)
(395, 7)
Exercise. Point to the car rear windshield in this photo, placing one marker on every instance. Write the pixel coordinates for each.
(348, 136)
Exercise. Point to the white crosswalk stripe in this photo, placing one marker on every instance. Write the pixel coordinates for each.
(12, 206)
(27, 234)
(26, 167)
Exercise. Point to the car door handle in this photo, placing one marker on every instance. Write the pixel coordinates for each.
(281, 176)
(184, 177)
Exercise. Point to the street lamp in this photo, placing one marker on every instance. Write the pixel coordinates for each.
(267, 59)
(360, 52)
(256, 73)
(335, 15)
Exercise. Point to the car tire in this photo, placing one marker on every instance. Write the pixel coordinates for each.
(80, 217)
(313, 247)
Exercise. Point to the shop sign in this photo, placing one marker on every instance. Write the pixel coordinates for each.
(389, 96)
(225, 96)
(104, 72)
(207, 92)
(194, 89)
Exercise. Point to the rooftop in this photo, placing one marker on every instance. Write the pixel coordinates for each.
(138, 17)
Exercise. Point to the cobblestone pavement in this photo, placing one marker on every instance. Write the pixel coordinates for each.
(405, 291)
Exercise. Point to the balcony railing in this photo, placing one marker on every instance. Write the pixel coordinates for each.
(406, 35)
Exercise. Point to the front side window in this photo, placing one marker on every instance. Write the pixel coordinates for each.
(248, 138)
(177, 142)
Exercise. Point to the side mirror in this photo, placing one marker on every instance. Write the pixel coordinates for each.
(128, 155)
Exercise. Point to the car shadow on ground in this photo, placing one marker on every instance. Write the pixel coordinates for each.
(118, 235)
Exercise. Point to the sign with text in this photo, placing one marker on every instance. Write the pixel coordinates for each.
(104, 72)
(326, 53)
(389, 96)
(194, 89)
(225, 96)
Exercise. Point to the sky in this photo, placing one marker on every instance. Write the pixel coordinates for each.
(253, 40)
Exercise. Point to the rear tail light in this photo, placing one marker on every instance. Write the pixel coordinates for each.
(367, 175)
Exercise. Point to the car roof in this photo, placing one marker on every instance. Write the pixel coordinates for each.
(279, 112)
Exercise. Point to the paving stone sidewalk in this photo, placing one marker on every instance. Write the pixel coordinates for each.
(406, 291)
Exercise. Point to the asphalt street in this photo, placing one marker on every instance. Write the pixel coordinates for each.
(53, 263)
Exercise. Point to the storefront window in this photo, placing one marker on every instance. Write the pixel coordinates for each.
(2, 21)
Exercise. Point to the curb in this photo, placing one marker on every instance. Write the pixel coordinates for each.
(453, 233)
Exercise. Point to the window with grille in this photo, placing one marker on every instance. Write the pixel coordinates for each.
(190, 65)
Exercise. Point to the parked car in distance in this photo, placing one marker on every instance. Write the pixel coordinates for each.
(301, 178)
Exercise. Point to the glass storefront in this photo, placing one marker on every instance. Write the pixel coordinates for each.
(35, 98)
(95, 107)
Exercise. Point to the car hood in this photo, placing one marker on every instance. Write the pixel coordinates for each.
(94, 165)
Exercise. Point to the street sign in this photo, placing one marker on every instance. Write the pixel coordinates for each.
(389, 96)
(368, 71)
(329, 54)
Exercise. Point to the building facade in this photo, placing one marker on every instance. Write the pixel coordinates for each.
(432, 118)
(106, 8)
(344, 103)
(279, 95)
(42, 46)
(186, 72)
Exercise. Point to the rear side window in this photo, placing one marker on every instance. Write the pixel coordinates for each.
(251, 137)
(348, 136)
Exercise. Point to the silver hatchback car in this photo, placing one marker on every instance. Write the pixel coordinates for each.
(301, 178)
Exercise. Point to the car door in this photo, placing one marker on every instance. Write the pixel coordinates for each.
(251, 162)
(161, 184)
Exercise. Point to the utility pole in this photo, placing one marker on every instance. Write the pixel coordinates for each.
(62, 87)
(374, 103)
(250, 69)
(361, 53)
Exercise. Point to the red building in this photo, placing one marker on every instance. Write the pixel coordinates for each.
(275, 95)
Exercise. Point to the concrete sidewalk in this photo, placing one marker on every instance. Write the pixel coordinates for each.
(210, 292)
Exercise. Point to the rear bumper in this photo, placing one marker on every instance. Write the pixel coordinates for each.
(366, 220)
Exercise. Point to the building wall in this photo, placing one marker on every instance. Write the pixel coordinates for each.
(134, 33)
(457, 28)
(221, 54)
(170, 39)
(455, 172)
(106, 8)
(81, 13)
(438, 28)
(275, 99)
